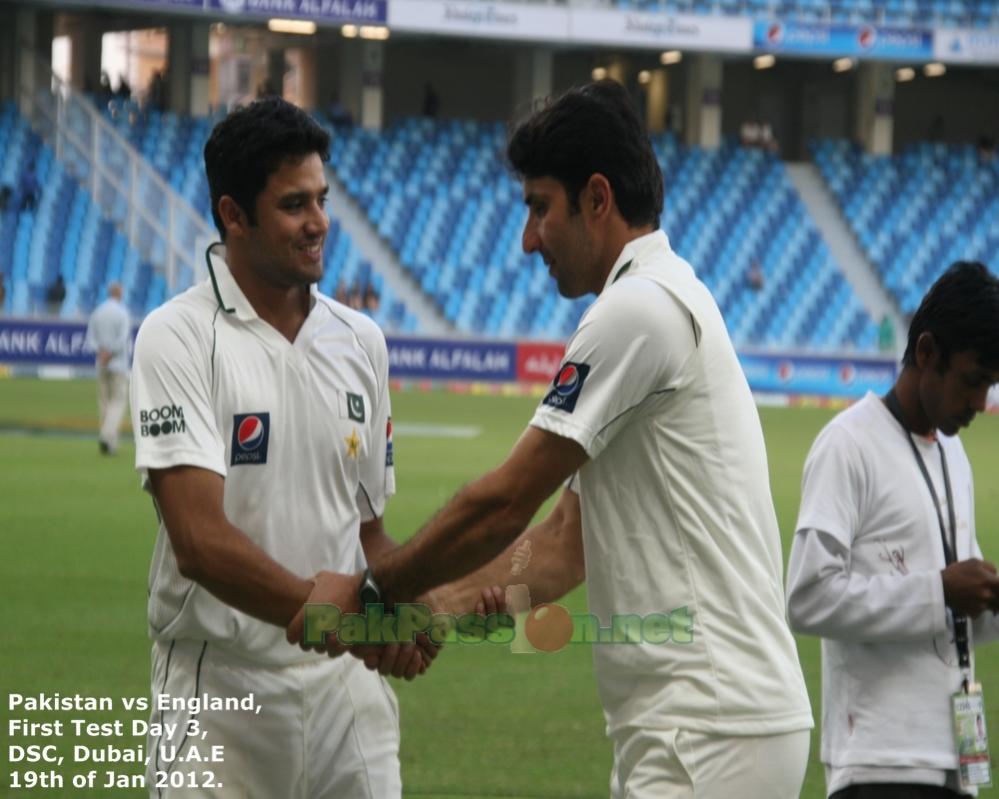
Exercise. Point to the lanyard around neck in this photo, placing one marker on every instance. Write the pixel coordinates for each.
(949, 542)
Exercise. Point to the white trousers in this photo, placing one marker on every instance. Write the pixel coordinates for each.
(681, 764)
(112, 395)
(325, 729)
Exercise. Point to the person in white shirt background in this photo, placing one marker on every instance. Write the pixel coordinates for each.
(885, 484)
(669, 504)
(109, 335)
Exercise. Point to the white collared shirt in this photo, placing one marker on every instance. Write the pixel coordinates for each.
(299, 431)
(676, 505)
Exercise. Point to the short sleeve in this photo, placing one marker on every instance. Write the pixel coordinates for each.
(831, 486)
(377, 467)
(632, 344)
(171, 400)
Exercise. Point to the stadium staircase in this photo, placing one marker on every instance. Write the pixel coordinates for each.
(857, 269)
(65, 233)
(355, 224)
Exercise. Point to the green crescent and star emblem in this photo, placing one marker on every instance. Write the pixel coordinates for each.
(355, 407)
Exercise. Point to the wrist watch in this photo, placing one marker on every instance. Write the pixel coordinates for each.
(369, 593)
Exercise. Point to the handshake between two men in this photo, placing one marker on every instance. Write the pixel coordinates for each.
(400, 641)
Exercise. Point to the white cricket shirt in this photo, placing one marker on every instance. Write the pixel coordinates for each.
(301, 432)
(676, 505)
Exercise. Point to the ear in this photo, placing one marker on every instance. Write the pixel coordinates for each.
(597, 198)
(927, 351)
(234, 219)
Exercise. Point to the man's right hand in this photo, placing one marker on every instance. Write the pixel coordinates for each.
(971, 587)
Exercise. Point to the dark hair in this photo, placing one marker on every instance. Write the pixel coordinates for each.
(961, 310)
(590, 129)
(249, 145)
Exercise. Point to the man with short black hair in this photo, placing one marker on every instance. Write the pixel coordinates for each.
(669, 505)
(885, 564)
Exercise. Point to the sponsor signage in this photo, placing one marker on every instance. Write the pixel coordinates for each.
(521, 21)
(360, 12)
(45, 342)
(638, 29)
(861, 41)
(538, 363)
(816, 375)
(966, 46)
(438, 359)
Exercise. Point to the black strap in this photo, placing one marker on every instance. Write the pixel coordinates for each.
(949, 543)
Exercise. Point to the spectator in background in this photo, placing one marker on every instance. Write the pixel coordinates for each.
(749, 133)
(124, 90)
(156, 94)
(431, 101)
(108, 335)
(29, 188)
(768, 141)
(267, 89)
(371, 299)
(104, 92)
(754, 277)
(55, 295)
(886, 334)
(6, 192)
(986, 149)
(355, 299)
(338, 115)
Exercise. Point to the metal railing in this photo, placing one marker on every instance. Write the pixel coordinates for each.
(160, 224)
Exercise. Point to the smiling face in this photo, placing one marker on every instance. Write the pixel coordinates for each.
(951, 397)
(284, 249)
(562, 237)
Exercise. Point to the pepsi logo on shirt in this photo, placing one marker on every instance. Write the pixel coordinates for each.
(250, 436)
(566, 386)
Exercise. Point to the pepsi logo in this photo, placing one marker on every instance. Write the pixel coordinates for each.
(775, 33)
(566, 386)
(567, 380)
(866, 37)
(250, 434)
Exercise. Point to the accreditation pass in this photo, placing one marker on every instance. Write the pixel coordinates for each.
(971, 737)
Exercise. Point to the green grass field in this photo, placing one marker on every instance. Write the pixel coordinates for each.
(77, 534)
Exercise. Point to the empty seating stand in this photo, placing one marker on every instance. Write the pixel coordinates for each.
(440, 194)
(916, 212)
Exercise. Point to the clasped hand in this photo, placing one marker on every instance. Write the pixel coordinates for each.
(405, 660)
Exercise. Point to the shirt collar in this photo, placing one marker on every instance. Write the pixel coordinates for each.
(228, 294)
(634, 252)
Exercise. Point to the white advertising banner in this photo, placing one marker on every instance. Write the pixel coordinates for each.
(966, 46)
(521, 21)
(634, 29)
